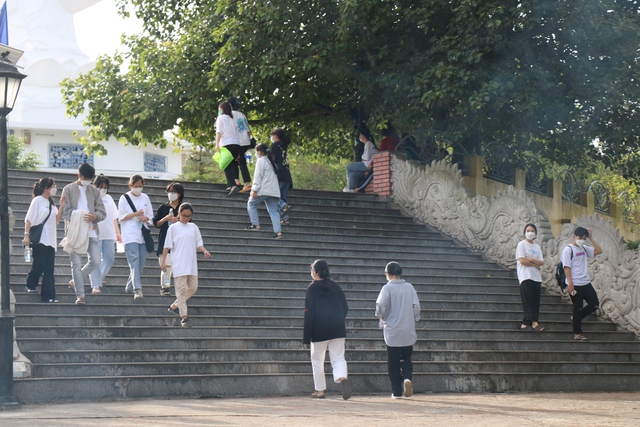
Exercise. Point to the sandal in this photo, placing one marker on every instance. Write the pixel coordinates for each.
(278, 236)
(286, 208)
(284, 222)
(538, 328)
(253, 227)
(317, 396)
(525, 328)
(580, 338)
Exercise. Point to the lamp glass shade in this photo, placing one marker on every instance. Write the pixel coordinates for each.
(10, 80)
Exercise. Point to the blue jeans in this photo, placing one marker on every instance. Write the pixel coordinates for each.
(272, 207)
(108, 248)
(284, 190)
(355, 171)
(136, 257)
(81, 273)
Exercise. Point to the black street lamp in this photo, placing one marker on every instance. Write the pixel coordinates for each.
(10, 80)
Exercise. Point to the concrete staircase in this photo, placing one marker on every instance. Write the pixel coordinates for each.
(248, 312)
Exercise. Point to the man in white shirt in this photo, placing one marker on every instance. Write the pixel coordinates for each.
(574, 260)
(81, 195)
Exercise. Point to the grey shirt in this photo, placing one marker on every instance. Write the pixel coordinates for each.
(398, 307)
(71, 193)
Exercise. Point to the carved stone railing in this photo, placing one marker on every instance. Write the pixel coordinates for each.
(601, 197)
(435, 195)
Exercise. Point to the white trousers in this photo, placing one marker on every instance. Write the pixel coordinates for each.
(336, 355)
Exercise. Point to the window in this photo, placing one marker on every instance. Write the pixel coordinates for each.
(68, 156)
(155, 162)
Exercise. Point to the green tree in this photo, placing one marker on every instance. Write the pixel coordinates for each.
(546, 76)
(17, 158)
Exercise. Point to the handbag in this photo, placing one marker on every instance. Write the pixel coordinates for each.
(253, 142)
(35, 232)
(146, 233)
(223, 157)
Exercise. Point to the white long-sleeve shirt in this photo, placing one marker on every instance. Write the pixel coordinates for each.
(265, 180)
(398, 307)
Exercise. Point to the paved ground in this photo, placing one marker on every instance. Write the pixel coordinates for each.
(469, 410)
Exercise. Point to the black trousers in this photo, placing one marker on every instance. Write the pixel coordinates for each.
(43, 263)
(583, 293)
(242, 163)
(231, 172)
(530, 295)
(399, 366)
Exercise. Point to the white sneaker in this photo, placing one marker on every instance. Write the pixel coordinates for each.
(408, 388)
(137, 295)
(345, 189)
(393, 396)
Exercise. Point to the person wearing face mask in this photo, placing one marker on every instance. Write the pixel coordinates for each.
(42, 210)
(82, 212)
(574, 259)
(165, 216)
(264, 189)
(244, 137)
(398, 309)
(357, 170)
(278, 152)
(528, 263)
(185, 241)
(109, 234)
(325, 310)
(131, 222)
(228, 136)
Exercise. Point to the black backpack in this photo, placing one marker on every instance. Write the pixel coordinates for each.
(560, 276)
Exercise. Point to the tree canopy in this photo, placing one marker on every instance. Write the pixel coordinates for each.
(544, 76)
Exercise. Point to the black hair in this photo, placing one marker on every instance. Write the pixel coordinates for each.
(101, 180)
(581, 231)
(41, 185)
(321, 268)
(135, 178)
(530, 225)
(389, 131)
(233, 101)
(185, 207)
(284, 139)
(226, 108)
(86, 170)
(176, 187)
(366, 132)
(393, 269)
(264, 149)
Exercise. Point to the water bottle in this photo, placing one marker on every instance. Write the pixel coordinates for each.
(27, 254)
(249, 157)
(166, 280)
(139, 223)
(171, 213)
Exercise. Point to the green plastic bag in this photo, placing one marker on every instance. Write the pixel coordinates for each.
(223, 158)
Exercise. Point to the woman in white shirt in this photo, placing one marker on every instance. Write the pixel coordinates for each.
(109, 233)
(131, 223)
(357, 170)
(184, 240)
(227, 136)
(265, 189)
(529, 260)
(43, 210)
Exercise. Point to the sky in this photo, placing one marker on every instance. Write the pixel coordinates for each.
(98, 28)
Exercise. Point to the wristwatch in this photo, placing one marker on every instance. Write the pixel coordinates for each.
(26, 232)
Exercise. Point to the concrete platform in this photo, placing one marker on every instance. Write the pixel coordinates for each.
(477, 410)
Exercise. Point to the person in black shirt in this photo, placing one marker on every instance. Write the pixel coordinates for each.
(278, 151)
(165, 216)
(325, 309)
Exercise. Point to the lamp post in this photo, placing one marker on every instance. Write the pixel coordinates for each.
(10, 80)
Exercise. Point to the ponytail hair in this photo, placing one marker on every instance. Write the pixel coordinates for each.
(282, 137)
(262, 148)
(321, 268)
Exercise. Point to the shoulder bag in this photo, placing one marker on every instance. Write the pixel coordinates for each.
(35, 232)
(146, 234)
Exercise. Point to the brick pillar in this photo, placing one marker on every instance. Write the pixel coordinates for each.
(381, 184)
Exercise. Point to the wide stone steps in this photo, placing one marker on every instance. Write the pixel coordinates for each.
(248, 312)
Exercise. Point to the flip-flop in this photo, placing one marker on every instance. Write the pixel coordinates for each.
(538, 328)
(580, 338)
(526, 328)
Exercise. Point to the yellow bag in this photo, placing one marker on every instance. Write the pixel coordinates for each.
(223, 157)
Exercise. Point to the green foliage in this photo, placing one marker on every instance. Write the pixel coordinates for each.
(17, 158)
(539, 75)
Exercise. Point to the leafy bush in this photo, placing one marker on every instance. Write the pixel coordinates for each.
(16, 156)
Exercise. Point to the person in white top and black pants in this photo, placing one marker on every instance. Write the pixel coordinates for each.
(227, 136)
(529, 260)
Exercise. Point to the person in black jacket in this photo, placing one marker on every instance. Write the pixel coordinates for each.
(166, 215)
(325, 308)
(280, 143)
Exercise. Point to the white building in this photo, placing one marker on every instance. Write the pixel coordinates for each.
(44, 30)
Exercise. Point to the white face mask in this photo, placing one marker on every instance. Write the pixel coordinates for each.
(273, 138)
(103, 192)
(530, 235)
(85, 183)
(580, 242)
(53, 191)
(172, 196)
(136, 191)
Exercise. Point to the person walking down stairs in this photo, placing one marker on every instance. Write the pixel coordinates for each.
(134, 213)
(398, 309)
(529, 260)
(325, 310)
(184, 240)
